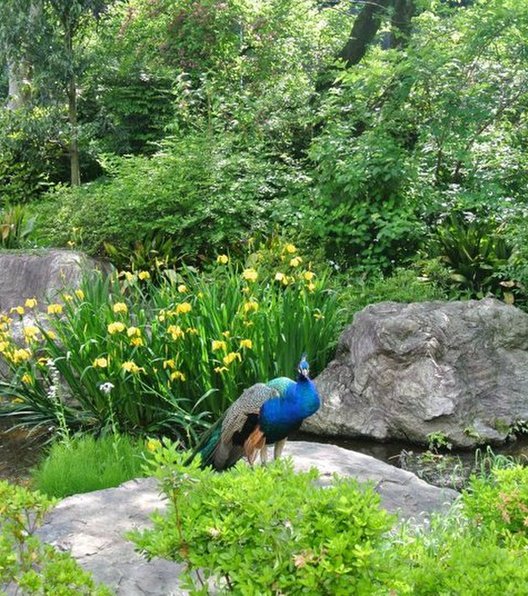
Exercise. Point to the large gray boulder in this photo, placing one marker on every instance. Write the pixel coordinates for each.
(403, 371)
(92, 526)
(39, 274)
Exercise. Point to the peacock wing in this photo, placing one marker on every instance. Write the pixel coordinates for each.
(240, 419)
(246, 406)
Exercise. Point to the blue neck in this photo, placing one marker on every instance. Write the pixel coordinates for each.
(303, 397)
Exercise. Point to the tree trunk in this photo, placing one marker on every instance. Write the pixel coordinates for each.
(401, 23)
(75, 170)
(363, 31)
(19, 63)
(19, 84)
(74, 143)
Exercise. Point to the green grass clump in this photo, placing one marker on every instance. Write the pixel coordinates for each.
(84, 464)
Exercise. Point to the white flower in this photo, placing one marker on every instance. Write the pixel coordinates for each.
(106, 387)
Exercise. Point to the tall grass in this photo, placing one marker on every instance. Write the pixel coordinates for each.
(85, 463)
(169, 357)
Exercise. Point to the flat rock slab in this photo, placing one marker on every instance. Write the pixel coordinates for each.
(401, 492)
(92, 526)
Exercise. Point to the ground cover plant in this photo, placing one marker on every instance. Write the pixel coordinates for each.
(84, 463)
(152, 358)
(28, 566)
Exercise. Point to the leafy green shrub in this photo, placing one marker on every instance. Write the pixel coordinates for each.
(151, 358)
(267, 530)
(363, 217)
(516, 269)
(30, 153)
(450, 557)
(84, 464)
(27, 564)
(500, 502)
(202, 192)
(306, 540)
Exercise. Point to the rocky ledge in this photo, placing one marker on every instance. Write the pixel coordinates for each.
(91, 526)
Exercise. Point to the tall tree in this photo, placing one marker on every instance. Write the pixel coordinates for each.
(370, 16)
(72, 17)
(401, 22)
(19, 27)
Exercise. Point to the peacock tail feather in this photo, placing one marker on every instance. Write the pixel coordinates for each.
(207, 442)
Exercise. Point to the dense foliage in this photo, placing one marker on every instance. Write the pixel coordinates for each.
(206, 122)
(267, 530)
(200, 124)
(424, 133)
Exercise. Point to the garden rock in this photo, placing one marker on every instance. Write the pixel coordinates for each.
(40, 274)
(92, 526)
(403, 371)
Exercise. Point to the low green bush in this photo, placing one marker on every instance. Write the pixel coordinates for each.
(85, 463)
(452, 557)
(28, 566)
(267, 530)
(404, 285)
(203, 192)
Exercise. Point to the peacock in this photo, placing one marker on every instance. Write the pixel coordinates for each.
(264, 414)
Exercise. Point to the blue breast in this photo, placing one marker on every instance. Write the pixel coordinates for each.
(283, 415)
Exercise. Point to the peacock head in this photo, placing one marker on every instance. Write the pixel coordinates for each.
(304, 368)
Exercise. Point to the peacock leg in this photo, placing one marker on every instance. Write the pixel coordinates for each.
(264, 455)
(279, 446)
(252, 456)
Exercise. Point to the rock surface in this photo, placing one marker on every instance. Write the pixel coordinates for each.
(403, 371)
(91, 526)
(40, 274)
